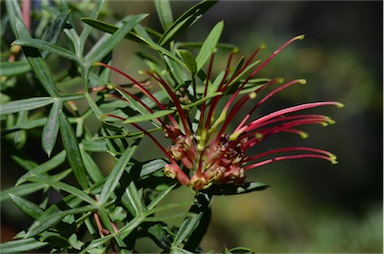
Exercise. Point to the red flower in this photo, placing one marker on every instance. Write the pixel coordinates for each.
(208, 153)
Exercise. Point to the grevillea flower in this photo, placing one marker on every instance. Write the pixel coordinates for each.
(207, 152)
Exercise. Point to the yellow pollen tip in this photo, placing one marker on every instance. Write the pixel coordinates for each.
(96, 64)
(303, 135)
(280, 80)
(302, 81)
(301, 37)
(252, 95)
(340, 105)
(263, 46)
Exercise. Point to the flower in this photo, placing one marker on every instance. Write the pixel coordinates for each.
(208, 152)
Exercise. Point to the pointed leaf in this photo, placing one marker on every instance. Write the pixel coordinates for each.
(185, 20)
(231, 189)
(25, 104)
(44, 45)
(21, 190)
(186, 228)
(209, 45)
(117, 171)
(143, 118)
(72, 149)
(22, 245)
(26, 206)
(189, 60)
(38, 178)
(164, 11)
(51, 128)
(37, 63)
(10, 69)
(97, 54)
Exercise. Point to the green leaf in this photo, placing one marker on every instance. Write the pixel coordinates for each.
(87, 30)
(143, 118)
(189, 60)
(26, 206)
(91, 167)
(148, 168)
(185, 20)
(51, 218)
(19, 246)
(96, 54)
(10, 69)
(231, 189)
(160, 235)
(134, 199)
(72, 149)
(37, 63)
(51, 128)
(164, 11)
(186, 228)
(209, 45)
(44, 45)
(160, 197)
(14, 11)
(103, 26)
(117, 171)
(54, 162)
(25, 104)
(38, 178)
(239, 250)
(21, 190)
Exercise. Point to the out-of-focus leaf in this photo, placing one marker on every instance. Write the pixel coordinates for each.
(51, 128)
(21, 190)
(160, 197)
(186, 228)
(164, 11)
(185, 20)
(37, 63)
(44, 45)
(117, 171)
(143, 118)
(103, 26)
(87, 30)
(22, 245)
(189, 60)
(44, 167)
(51, 218)
(55, 28)
(61, 186)
(96, 54)
(10, 69)
(14, 11)
(231, 189)
(25, 104)
(238, 250)
(91, 167)
(209, 45)
(26, 206)
(72, 149)
(160, 235)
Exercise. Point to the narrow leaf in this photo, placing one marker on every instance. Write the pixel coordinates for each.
(21, 190)
(163, 8)
(143, 118)
(72, 149)
(24, 104)
(10, 69)
(189, 60)
(230, 189)
(117, 171)
(185, 20)
(22, 245)
(97, 54)
(44, 45)
(209, 45)
(51, 128)
(186, 228)
(44, 167)
(26, 206)
(61, 186)
(37, 63)
(103, 26)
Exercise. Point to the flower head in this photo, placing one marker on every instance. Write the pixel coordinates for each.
(204, 151)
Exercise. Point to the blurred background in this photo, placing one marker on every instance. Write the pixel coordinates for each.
(311, 206)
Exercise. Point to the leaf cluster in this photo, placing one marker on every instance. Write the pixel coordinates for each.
(98, 213)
